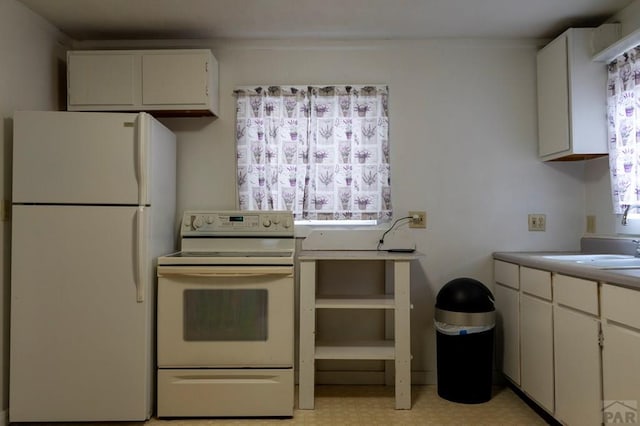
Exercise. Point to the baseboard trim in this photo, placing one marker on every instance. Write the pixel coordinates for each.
(547, 417)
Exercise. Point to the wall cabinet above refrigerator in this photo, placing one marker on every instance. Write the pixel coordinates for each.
(161, 82)
(571, 99)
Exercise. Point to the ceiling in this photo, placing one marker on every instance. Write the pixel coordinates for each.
(320, 19)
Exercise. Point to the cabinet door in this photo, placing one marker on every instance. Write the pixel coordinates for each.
(101, 79)
(175, 79)
(577, 368)
(536, 334)
(621, 372)
(553, 98)
(508, 331)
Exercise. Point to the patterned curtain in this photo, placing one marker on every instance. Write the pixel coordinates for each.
(322, 152)
(623, 104)
(271, 147)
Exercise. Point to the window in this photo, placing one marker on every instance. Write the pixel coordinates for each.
(321, 152)
(623, 116)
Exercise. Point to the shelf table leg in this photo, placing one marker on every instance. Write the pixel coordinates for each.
(401, 270)
(306, 377)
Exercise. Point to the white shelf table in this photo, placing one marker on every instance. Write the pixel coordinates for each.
(395, 348)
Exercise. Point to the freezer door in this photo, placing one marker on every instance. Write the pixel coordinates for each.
(80, 339)
(78, 158)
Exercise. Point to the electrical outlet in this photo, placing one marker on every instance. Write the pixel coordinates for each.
(591, 224)
(537, 222)
(419, 219)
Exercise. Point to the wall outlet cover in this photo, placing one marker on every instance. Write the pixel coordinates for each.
(537, 222)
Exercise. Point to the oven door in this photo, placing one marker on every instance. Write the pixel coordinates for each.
(225, 316)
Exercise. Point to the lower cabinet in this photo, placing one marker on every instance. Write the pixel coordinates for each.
(578, 377)
(508, 331)
(621, 354)
(571, 344)
(507, 302)
(536, 336)
(536, 333)
(577, 367)
(621, 374)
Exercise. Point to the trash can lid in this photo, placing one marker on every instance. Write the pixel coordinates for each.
(465, 295)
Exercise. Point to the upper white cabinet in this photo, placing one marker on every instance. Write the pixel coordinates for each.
(162, 82)
(571, 99)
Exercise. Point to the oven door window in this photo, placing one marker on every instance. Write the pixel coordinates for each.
(225, 315)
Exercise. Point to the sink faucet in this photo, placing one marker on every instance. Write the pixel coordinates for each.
(625, 212)
(637, 243)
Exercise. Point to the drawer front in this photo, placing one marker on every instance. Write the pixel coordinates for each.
(536, 282)
(506, 274)
(621, 305)
(576, 293)
(225, 393)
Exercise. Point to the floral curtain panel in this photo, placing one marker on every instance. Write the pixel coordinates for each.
(623, 104)
(272, 129)
(322, 152)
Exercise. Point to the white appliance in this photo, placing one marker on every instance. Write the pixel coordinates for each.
(93, 205)
(226, 317)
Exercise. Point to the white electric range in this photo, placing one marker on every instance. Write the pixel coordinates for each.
(226, 317)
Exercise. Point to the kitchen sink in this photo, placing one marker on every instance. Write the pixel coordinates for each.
(588, 257)
(600, 261)
(631, 263)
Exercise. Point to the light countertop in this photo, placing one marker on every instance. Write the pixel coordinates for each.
(356, 255)
(629, 278)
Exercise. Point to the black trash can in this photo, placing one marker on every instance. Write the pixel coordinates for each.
(465, 323)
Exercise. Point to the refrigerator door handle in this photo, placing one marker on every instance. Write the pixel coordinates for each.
(140, 254)
(142, 136)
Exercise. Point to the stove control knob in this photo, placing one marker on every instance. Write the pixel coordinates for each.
(286, 224)
(276, 220)
(266, 222)
(209, 220)
(197, 222)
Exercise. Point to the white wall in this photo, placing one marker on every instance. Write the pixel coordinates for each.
(463, 129)
(29, 79)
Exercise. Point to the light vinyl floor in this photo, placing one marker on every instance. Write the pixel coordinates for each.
(374, 405)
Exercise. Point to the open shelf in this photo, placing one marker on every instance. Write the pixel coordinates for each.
(391, 344)
(383, 301)
(369, 350)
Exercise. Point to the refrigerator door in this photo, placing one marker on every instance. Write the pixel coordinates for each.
(80, 158)
(81, 342)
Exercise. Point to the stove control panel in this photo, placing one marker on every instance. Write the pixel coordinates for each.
(248, 223)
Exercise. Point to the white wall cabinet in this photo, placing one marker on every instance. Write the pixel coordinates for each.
(507, 296)
(620, 352)
(162, 82)
(577, 351)
(571, 99)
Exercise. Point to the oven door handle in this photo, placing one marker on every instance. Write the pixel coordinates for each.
(225, 271)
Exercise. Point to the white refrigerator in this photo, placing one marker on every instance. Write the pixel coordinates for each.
(93, 207)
